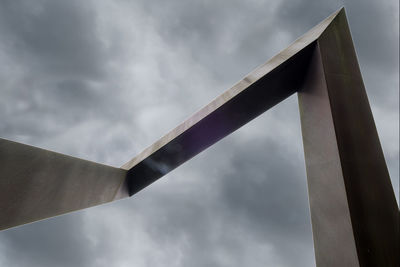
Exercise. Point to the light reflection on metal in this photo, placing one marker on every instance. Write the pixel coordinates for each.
(354, 214)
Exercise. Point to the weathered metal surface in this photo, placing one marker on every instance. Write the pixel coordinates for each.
(356, 159)
(334, 243)
(36, 184)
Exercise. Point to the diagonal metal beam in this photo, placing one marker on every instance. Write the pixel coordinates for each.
(36, 184)
(263, 88)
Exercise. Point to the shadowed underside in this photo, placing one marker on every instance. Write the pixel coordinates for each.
(354, 214)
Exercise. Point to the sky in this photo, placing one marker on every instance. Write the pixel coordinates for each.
(102, 80)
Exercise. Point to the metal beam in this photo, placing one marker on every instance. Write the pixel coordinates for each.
(260, 90)
(354, 214)
(36, 184)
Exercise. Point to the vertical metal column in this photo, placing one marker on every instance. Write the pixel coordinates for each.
(354, 214)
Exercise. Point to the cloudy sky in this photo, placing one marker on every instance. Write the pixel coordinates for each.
(102, 80)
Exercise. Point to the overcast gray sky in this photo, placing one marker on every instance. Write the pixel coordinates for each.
(102, 80)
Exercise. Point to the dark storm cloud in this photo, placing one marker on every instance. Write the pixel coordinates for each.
(102, 80)
(55, 242)
(250, 191)
(55, 69)
(58, 36)
(209, 28)
(375, 33)
(54, 45)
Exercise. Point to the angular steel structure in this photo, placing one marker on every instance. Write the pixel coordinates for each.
(354, 214)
